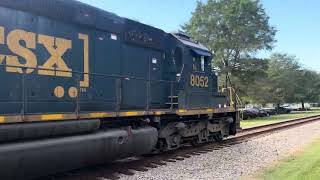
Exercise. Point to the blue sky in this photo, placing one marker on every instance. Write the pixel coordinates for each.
(296, 21)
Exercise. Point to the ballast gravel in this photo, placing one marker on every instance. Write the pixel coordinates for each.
(238, 161)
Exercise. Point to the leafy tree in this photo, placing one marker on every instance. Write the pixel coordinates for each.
(277, 80)
(246, 77)
(231, 29)
(281, 85)
(308, 89)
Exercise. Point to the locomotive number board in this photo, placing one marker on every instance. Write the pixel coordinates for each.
(199, 81)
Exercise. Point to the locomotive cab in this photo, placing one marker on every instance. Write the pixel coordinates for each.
(197, 84)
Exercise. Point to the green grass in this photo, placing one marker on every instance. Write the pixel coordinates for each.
(277, 118)
(306, 165)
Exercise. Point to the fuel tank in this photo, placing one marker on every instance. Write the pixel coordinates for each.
(34, 159)
(25, 131)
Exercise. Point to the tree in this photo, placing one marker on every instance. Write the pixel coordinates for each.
(231, 29)
(246, 77)
(308, 87)
(282, 85)
(280, 79)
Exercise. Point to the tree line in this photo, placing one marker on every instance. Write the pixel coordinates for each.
(278, 79)
(235, 31)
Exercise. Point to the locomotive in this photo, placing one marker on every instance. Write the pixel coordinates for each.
(82, 86)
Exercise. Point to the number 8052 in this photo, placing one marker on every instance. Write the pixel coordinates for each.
(199, 81)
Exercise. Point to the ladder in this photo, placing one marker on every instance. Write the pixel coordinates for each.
(174, 102)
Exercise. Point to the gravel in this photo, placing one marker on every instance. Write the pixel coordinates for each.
(237, 161)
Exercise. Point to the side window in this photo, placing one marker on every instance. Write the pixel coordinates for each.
(194, 64)
(199, 63)
(202, 63)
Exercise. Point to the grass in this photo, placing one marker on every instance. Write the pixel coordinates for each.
(305, 165)
(278, 118)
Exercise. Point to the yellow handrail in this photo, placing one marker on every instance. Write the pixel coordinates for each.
(232, 94)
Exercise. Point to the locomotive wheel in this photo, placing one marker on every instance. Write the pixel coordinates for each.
(194, 142)
(218, 138)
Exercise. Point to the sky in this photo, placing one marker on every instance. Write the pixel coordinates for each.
(296, 21)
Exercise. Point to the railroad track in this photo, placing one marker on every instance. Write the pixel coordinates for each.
(130, 165)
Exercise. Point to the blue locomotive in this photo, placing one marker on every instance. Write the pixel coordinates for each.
(81, 86)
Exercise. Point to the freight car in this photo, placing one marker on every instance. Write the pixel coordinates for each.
(81, 86)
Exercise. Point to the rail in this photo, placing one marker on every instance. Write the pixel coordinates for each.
(280, 123)
(258, 130)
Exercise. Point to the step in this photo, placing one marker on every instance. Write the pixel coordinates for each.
(173, 96)
(172, 103)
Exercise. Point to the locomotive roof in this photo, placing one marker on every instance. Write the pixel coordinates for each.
(197, 47)
(72, 11)
(83, 14)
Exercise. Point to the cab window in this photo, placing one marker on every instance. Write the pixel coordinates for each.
(199, 63)
(202, 63)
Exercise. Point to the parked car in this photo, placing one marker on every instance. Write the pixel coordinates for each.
(271, 111)
(262, 112)
(250, 113)
(247, 115)
(254, 111)
(297, 106)
(283, 110)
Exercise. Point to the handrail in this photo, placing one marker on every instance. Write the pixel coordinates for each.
(181, 73)
(83, 73)
(232, 92)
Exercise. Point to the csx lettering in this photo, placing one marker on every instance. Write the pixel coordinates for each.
(1, 42)
(56, 47)
(199, 81)
(13, 42)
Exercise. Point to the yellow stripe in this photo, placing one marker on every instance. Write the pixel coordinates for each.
(131, 113)
(2, 119)
(51, 117)
(158, 113)
(182, 111)
(98, 115)
(210, 110)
